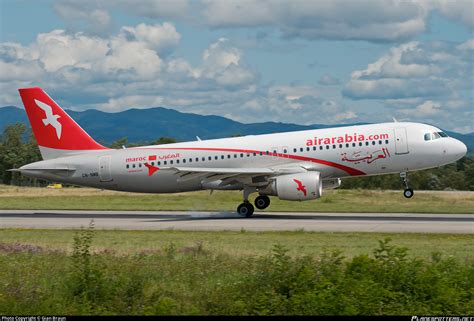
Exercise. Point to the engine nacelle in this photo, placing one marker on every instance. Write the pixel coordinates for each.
(296, 187)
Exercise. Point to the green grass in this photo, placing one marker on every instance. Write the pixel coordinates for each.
(332, 201)
(46, 272)
(245, 243)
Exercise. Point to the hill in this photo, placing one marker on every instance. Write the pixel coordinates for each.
(142, 125)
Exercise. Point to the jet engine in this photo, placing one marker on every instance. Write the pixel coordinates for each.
(295, 187)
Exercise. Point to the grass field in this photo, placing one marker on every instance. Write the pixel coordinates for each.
(66, 272)
(244, 243)
(332, 201)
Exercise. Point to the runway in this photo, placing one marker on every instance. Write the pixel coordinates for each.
(261, 221)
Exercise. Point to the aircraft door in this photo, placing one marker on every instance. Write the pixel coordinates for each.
(105, 174)
(401, 142)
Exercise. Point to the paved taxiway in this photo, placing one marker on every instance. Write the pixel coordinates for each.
(261, 221)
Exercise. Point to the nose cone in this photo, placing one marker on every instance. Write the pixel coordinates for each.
(457, 149)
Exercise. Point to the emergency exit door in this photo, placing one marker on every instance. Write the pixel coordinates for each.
(401, 141)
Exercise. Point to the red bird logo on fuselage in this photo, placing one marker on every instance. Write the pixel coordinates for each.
(300, 187)
(151, 169)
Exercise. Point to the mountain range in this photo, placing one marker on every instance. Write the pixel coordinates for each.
(145, 125)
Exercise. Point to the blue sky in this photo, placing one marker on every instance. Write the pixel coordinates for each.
(304, 62)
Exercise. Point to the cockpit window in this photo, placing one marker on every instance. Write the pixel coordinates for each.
(443, 134)
(428, 136)
(436, 136)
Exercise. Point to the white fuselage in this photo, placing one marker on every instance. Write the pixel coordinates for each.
(334, 152)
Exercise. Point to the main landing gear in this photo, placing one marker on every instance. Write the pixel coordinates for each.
(246, 209)
(262, 202)
(408, 192)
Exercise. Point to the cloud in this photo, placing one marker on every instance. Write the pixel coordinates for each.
(98, 20)
(328, 80)
(457, 10)
(338, 19)
(367, 20)
(414, 70)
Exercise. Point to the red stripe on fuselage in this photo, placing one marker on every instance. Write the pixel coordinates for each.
(347, 169)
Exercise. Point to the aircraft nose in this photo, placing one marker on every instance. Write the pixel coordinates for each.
(458, 149)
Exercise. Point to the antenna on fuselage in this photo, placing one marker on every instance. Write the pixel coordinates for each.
(395, 120)
(197, 137)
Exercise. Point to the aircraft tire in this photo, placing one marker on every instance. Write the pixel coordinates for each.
(408, 193)
(245, 209)
(262, 202)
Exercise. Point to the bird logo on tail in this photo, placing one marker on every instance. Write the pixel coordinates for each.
(300, 187)
(51, 119)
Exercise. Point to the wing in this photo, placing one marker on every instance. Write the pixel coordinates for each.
(228, 177)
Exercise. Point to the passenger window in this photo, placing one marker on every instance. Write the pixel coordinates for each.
(321, 147)
(347, 145)
(301, 149)
(140, 165)
(222, 156)
(171, 162)
(353, 144)
(314, 147)
(159, 163)
(294, 150)
(152, 163)
(307, 149)
(190, 160)
(327, 146)
(216, 157)
(248, 155)
(333, 146)
(241, 155)
(360, 143)
(210, 158)
(228, 156)
(164, 163)
(177, 161)
(380, 142)
(133, 165)
(235, 155)
(261, 153)
(255, 154)
(373, 142)
(184, 160)
(128, 165)
(386, 141)
(366, 143)
(340, 145)
(204, 159)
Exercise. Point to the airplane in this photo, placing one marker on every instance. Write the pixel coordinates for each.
(294, 166)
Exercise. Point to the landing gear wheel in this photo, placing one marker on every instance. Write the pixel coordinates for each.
(245, 209)
(408, 193)
(262, 202)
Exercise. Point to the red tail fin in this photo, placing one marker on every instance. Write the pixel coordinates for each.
(57, 133)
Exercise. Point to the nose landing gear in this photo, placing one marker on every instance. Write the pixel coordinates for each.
(408, 192)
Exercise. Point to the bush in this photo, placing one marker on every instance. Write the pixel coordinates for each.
(193, 280)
